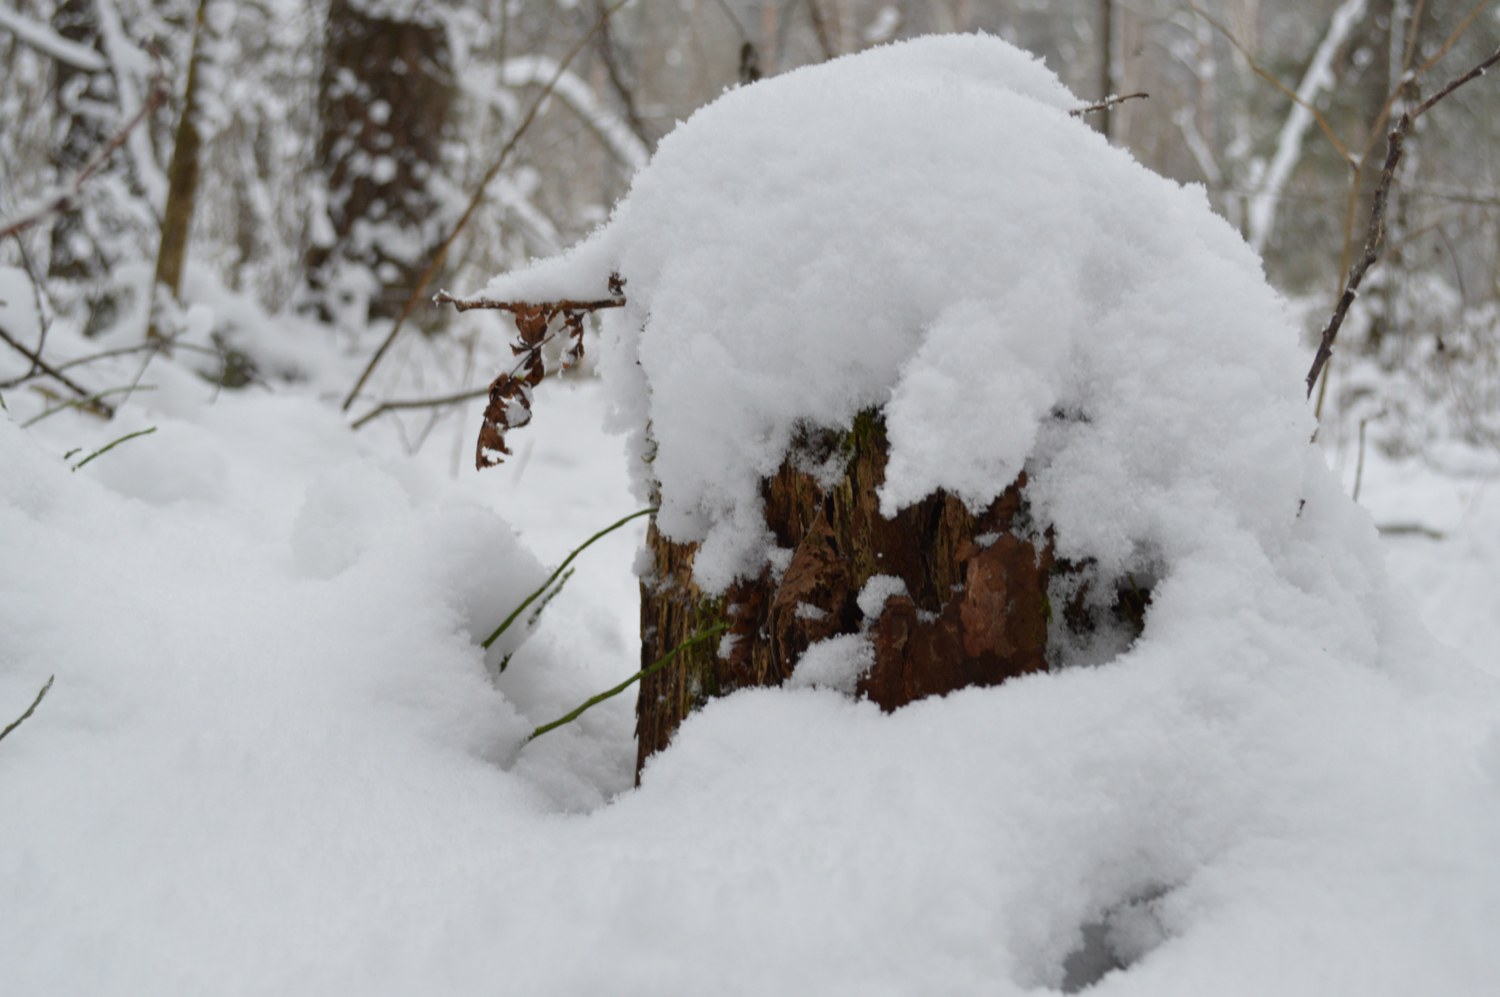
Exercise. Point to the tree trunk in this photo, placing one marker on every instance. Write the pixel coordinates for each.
(976, 609)
(182, 180)
(74, 254)
(383, 98)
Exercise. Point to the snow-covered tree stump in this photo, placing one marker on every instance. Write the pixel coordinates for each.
(939, 598)
(970, 608)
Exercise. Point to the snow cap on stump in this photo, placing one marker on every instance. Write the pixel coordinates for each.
(923, 229)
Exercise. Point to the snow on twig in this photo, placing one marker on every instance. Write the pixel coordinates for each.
(65, 197)
(49, 42)
(1106, 103)
(510, 395)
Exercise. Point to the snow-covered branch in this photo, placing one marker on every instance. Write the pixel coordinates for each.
(64, 196)
(1319, 77)
(614, 133)
(49, 42)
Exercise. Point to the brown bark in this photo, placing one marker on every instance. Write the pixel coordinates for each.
(182, 179)
(384, 96)
(976, 611)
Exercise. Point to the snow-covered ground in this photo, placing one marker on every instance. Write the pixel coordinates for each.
(276, 761)
(271, 765)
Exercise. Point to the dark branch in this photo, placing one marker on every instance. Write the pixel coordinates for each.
(1375, 235)
(524, 307)
(385, 407)
(54, 373)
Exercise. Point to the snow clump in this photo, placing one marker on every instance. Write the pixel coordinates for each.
(924, 229)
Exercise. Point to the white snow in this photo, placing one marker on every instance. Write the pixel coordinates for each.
(275, 760)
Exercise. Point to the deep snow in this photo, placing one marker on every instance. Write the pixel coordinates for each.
(274, 760)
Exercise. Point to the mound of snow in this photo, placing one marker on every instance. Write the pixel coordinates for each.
(925, 229)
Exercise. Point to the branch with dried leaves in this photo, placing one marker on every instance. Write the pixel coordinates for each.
(510, 394)
(442, 253)
(1375, 235)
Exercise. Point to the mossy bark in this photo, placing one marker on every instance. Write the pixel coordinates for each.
(976, 610)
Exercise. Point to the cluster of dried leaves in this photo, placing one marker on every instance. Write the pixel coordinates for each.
(510, 395)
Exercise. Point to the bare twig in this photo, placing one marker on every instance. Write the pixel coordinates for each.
(32, 709)
(385, 407)
(52, 372)
(1375, 235)
(65, 197)
(1261, 72)
(90, 404)
(153, 346)
(1106, 103)
(442, 252)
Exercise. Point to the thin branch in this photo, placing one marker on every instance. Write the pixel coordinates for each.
(1375, 235)
(154, 346)
(560, 568)
(47, 41)
(1106, 103)
(90, 404)
(661, 663)
(51, 371)
(517, 307)
(110, 446)
(820, 28)
(32, 709)
(1260, 71)
(474, 202)
(385, 407)
(65, 197)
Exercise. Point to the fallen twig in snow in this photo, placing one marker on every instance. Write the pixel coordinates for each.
(1375, 235)
(89, 404)
(41, 365)
(32, 709)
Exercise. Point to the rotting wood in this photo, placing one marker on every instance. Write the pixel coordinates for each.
(975, 613)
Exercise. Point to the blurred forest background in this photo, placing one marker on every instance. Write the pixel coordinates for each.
(315, 162)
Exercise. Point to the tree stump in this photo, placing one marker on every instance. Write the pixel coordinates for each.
(976, 609)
